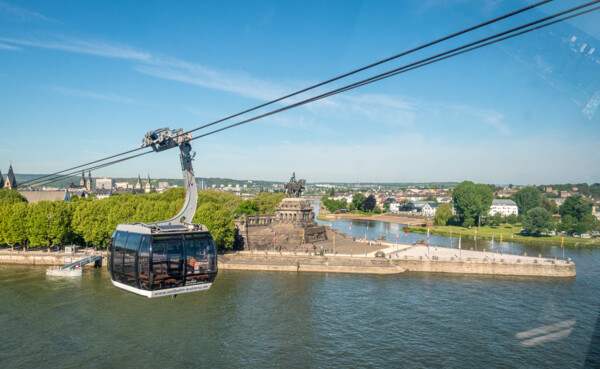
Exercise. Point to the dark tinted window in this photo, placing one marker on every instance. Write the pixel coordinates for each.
(167, 261)
(119, 251)
(144, 263)
(129, 257)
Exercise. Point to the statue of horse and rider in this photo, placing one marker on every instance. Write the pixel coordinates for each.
(294, 187)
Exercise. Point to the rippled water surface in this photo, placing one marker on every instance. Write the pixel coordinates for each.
(280, 319)
(284, 319)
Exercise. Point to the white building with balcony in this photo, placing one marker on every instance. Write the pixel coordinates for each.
(504, 207)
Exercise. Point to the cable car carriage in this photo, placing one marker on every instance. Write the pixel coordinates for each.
(168, 257)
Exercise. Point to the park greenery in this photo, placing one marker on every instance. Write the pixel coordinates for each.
(472, 202)
(538, 215)
(92, 222)
(360, 204)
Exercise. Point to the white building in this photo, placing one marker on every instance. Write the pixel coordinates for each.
(429, 209)
(504, 207)
(104, 183)
(395, 207)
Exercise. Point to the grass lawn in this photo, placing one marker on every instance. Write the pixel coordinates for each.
(506, 231)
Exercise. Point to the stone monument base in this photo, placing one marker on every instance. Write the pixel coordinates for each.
(294, 220)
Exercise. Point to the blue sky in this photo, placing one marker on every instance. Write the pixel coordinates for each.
(84, 80)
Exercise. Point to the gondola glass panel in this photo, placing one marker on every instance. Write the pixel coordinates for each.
(167, 261)
(117, 256)
(200, 260)
(129, 258)
(144, 264)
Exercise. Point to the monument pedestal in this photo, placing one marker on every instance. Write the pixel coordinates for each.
(294, 220)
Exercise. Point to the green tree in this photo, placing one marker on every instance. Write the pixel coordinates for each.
(332, 192)
(247, 207)
(333, 205)
(442, 215)
(527, 199)
(549, 205)
(472, 200)
(386, 206)
(13, 224)
(369, 203)
(512, 219)
(496, 219)
(8, 197)
(576, 206)
(468, 222)
(358, 200)
(566, 224)
(590, 222)
(219, 220)
(537, 220)
(267, 201)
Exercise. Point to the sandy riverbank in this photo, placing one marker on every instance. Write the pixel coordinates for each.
(390, 218)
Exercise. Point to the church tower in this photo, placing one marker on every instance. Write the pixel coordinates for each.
(138, 185)
(82, 181)
(88, 185)
(1, 180)
(148, 186)
(10, 182)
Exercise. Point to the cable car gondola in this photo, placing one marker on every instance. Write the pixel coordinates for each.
(169, 257)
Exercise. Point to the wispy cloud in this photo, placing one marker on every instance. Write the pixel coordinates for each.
(390, 110)
(231, 81)
(8, 47)
(91, 47)
(93, 95)
(23, 14)
(488, 117)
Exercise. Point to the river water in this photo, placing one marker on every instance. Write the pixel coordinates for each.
(300, 320)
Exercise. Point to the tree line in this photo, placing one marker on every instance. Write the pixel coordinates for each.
(472, 203)
(91, 221)
(359, 202)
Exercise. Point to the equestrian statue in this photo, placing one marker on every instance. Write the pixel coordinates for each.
(294, 187)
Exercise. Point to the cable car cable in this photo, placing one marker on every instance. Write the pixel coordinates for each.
(376, 63)
(466, 30)
(412, 66)
(100, 166)
(379, 77)
(423, 62)
(82, 165)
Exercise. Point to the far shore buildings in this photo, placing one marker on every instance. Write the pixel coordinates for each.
(105, 187)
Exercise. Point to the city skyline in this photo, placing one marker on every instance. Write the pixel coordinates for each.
(82, 82)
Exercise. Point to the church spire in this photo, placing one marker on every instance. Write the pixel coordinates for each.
(148, 187)
(138, 185)
(10, 182)
(1, 180)
(88, 185)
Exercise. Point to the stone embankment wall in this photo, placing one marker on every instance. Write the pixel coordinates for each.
(43, 258)
(344, 264)
(299, 263)
(485, 267)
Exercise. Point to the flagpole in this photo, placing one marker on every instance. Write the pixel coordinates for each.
(427, 242)
(562, 244)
